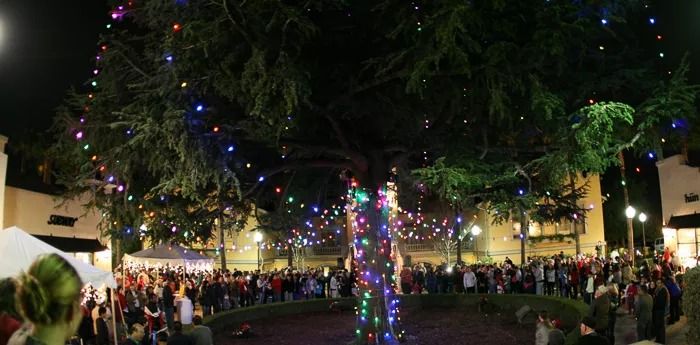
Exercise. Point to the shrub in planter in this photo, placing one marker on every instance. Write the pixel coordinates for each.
(691, 304)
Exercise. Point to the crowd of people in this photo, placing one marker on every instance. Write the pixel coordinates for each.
(652, 292)
(48, 296)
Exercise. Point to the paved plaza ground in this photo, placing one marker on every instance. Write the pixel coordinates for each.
(423, 327)
(437, 326)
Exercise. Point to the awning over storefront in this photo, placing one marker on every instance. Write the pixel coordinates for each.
(72, 244)
(689, 221)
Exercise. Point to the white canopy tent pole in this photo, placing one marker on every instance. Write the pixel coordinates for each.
(114, 316)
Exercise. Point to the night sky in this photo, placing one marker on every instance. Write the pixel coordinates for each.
(48, 47)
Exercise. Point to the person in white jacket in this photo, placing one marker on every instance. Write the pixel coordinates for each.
(469, 281)
(590, 289)
(334, 287)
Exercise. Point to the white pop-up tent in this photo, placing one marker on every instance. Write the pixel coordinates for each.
(19, 249)
(171, 255)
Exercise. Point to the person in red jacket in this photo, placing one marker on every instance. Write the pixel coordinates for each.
(632, 291)
(574, 281)
(276, 288)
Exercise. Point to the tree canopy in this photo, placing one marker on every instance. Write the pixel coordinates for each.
(190, 100)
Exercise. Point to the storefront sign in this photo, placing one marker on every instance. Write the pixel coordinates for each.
(61, 220)
(691, 197)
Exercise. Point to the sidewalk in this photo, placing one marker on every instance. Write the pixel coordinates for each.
(626, 331)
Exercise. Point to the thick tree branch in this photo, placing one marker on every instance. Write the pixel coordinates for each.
(358, 159)
(364, 87)
(297, 165)
(628, 144)
(337, 130)
(485, 137)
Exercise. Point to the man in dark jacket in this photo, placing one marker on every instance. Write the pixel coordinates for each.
(588, 334)
(169, 303)
(201, 335)
(101, 325)
(675, 293)
(661, 301)
(218, 294)
(600, 309)
(642, 310)
(178, 338)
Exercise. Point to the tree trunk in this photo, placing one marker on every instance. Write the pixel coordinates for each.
(574, 230)
(377, 318)
(290, 253)
(524, 226)
(459, 249)
(346, 251)
(630, 225)
(222, 244)
(117, 250)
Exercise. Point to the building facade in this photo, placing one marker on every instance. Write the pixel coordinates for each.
(62, 223)
(494, 243)
(679, 182)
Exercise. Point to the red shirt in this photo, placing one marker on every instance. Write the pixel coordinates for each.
(119, 307)
(277, 285)
(631, 291)
(8, 326)
(574, 278)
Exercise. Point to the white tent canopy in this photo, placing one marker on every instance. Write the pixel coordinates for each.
(171, 255)
(19, 250)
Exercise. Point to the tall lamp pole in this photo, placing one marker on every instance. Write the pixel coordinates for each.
(643, 219)
(476, 231)
(257, 237)
(630, 212)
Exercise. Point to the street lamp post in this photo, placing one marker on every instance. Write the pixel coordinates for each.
(476, 230)
(257, 237)
(630, 212)
(643, 219)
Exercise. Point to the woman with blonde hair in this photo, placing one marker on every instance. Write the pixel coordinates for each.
(48, 296)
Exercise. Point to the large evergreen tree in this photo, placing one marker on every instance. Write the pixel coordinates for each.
(190, 98)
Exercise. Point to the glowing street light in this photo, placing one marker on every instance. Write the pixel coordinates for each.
(476, 231)
(630, 212)
(257, 237)
(643, 219)
(2, 32)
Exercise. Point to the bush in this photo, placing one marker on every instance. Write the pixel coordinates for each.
(691, 304)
